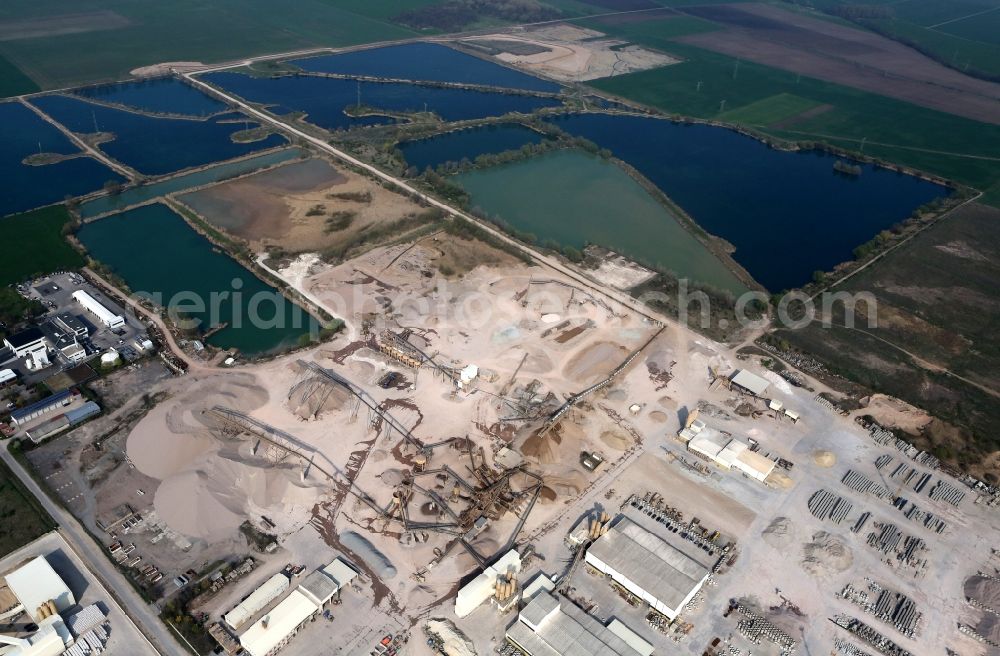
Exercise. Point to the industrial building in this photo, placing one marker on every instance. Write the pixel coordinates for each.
(648, 567)
(36, 583)
(278, 625)
(726, 452)
(103, 314)
(63, 422)
(481, 588)
(51, 403)
(548, 627)
(749, 382)
(257, 601)
(30, 343)
(274, 630)
(41, 594)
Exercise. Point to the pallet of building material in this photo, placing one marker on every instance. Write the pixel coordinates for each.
(870, 635)
(882, 461)
(944, 492)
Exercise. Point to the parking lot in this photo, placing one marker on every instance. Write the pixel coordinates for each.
(55, 292)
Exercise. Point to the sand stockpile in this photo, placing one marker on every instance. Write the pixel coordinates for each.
(366, 551)
(566, 486)
(210, 500)
(616, 440)
(826, 555)
(312, 399)
(779, 534)
(658, 417)
(824, 458)
(667, 402)
(455, 643)
(178, 431)
(594, 362)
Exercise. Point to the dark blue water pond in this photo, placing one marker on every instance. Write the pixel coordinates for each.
(324, 99)
(23, 133)
(155, 146)
(787, 213)
(160, 256)
(165, 95)
(425, 61)
(467, 144)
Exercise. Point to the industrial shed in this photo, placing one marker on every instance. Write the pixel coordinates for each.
(257, 600)
(655, 571)
(750, 382)
(36, 583)
(547, 627)
(277, 627)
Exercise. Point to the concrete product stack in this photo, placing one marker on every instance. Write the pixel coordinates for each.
(870, 636)
(827, 505)
(756, 628)
(862, 483)
(944, 492)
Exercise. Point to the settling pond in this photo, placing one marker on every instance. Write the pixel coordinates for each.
(156, 252)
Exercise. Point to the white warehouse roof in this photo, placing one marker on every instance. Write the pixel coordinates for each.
(650, 568)
(106, 316)
(272, 630)
(35, 583)
(548, 628)
(750, 382)
(340, 572)
(257, 600)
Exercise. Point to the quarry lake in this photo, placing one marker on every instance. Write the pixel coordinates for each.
(575, 198)
(22, 134)
(426, 62)
(165, 95)
(788, 214)
(324, 99)
(155, 145)
(467, 144)
(155, 251)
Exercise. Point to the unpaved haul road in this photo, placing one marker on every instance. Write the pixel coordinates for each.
(620, 298)
(145, 617)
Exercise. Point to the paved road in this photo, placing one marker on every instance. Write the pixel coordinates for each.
(144, 616)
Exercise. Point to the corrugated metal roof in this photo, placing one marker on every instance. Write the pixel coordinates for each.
(750, 382)
(48, 401)
(646, 561)
(271, 630)
(257, 600)
(565, 630)
(340, 572)
(319, 587)
(631, 638)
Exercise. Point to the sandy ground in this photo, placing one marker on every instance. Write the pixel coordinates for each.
(845, 55)
(536, 340)
(289, 206)
(573, 53)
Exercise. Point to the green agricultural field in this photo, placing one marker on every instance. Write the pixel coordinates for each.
(105, 39)
(707, 85)
(23, 518)
(964, 34)
(12, 81)
(37, 244)
(769, 111)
